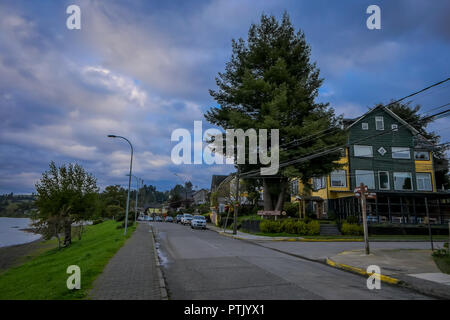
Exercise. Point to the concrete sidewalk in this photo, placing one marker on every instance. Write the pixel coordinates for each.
(412, 268)
(133, 273)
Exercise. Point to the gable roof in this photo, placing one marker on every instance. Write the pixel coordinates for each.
(391, 113)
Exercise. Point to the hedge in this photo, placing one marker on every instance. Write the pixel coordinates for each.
(290, 226)
(351, 229)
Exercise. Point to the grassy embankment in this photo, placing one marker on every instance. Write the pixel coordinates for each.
(44, 277)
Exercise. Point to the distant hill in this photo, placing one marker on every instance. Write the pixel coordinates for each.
(16, 206)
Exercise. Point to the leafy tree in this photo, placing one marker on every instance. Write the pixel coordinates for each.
(420, 122)
(270, 83)
(65, 195)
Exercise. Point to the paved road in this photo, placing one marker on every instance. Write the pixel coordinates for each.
(131, 274)
(201, 264)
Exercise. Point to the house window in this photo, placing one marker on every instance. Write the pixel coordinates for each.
(383, 180)
(379, 123)
(394, 127)
(338, 178)
(421, 155)
(319, 183)
(365, 126)
(400, 153)
(363, 151)
(402, 181)
(424, 181)
(366, 177)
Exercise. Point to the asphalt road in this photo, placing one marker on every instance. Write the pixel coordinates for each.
(201, 264)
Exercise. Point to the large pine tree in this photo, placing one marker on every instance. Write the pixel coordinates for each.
(270, 83)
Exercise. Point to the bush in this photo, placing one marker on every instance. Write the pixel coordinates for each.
(351, 229)
(313, 228)
(291, 209)
(270, 226)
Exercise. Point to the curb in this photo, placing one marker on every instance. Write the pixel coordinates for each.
(162, 283)
(286, 239)
(363, 272)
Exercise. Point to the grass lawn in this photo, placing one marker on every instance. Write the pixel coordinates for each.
(44, 277)
(443, 263)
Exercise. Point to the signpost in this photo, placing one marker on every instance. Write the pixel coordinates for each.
(362, 193)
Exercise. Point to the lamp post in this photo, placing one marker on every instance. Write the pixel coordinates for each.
(129, 178)
(138, 182)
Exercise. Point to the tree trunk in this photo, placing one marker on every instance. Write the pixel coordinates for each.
(268, 206)
(80, 231)
(67, 233)
(281, 195)
(57, 236)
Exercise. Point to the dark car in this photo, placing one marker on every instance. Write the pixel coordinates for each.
(178, 218)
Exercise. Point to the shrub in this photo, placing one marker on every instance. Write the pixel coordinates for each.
(351, 229)
(301, 228)
(270, 226)
(291, 209)
(289, 226)
(313, 228)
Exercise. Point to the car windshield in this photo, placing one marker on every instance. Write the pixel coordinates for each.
(188, 215)
(199, 217)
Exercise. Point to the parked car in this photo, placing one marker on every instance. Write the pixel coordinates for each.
(178, 218)
(158, 219)
(198, 222)
(186, 219)
(169, 219)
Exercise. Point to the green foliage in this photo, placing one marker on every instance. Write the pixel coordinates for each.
(65, 195)
(351, 229)
(290, 226)
(313, 228)
(291, 209)
(270, 83)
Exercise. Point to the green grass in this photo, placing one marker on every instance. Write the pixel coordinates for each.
(44, 277)
(443, 263)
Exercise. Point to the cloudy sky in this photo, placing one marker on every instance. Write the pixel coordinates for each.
(143, 68)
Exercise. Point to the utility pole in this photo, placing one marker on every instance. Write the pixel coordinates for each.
(429, 225)
(364, 214)
(236, 203)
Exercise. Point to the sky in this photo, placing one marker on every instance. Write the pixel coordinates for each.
(142, 68)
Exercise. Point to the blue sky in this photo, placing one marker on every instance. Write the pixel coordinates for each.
(143, 68)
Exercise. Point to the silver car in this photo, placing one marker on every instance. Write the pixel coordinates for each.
(198, 222)
(186, 219)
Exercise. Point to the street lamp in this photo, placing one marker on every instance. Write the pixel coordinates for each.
(138, 182)
(129, 178)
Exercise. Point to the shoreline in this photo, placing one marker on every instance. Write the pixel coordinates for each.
(17, 254)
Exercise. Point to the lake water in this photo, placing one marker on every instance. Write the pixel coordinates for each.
(10, 233)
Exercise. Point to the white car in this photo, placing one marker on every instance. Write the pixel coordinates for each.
(186, 219)
(198, 222)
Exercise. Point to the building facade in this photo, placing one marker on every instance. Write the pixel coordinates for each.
(390, 157)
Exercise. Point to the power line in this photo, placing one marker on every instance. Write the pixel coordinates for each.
(336, 149)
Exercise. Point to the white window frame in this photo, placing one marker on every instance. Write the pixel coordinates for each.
(400, 149)
(366, 173)
(417, 181)
(394, 127)
(365, 155)
(428, 155)
(321, 183)
(379, 181)
(364, 126)
(379, 119)
(410, 176)
(338, 173)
